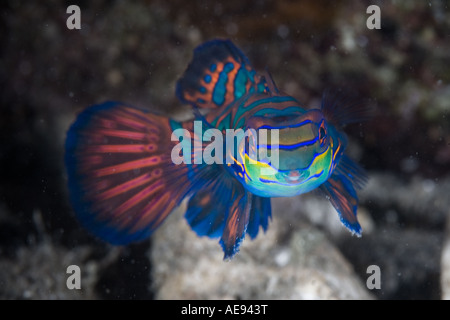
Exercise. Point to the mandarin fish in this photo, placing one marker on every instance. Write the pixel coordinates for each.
(123, 180)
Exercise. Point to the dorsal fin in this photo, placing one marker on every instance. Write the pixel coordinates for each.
(271, 87)
(218, 74)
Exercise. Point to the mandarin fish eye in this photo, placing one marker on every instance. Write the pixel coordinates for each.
(322, 134)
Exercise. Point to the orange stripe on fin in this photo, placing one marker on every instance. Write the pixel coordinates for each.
(127, 166)
(127, 186)
(138, 197)
(121, 148)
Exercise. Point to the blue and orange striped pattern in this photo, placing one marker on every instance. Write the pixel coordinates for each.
(218, 75)
(123, 182)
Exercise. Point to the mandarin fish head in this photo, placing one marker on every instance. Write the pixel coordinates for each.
(287, 155)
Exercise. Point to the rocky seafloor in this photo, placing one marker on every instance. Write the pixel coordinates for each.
(135, 52)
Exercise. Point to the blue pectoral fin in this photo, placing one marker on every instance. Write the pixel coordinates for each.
(340, 108)
(221, 209)
(236, 224)
(353, 171)
(208, 209)
(225, 209)
(342, 195)
(260, 214)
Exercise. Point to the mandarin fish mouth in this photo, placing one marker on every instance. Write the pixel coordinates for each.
(295, 178)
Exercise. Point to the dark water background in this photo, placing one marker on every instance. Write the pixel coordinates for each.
(135, 52)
